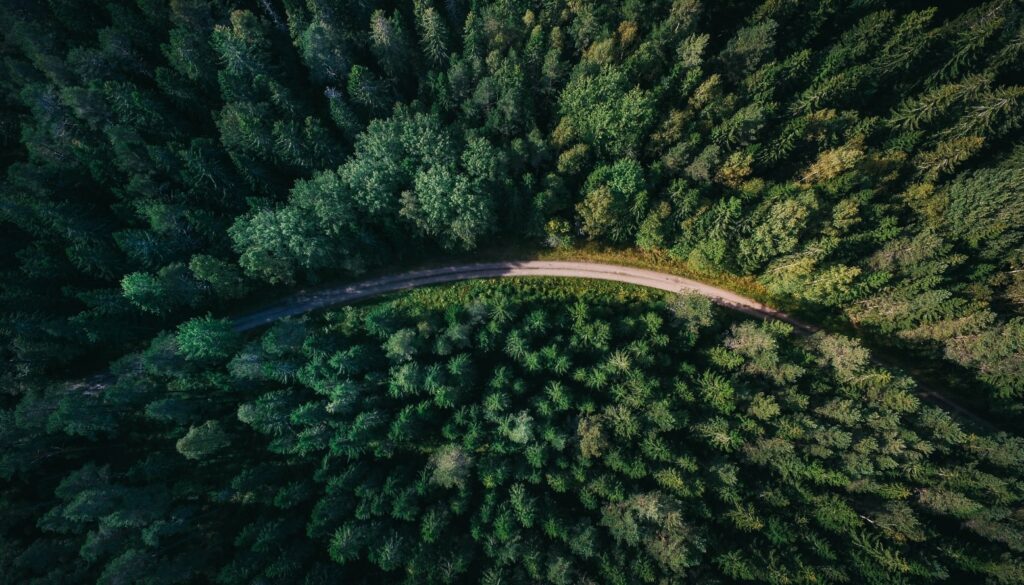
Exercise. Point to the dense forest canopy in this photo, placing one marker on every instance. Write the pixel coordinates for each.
(509, 433)
(858, 163)
(859, 159)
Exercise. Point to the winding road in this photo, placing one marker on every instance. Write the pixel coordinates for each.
(304, 302)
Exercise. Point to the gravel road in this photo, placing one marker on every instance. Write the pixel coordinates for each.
(306, 301)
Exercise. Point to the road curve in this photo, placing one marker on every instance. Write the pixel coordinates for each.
(304, 302)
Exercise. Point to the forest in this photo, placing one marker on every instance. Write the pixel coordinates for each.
(497, 433)
(165, 165)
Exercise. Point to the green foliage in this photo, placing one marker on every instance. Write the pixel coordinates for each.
(800, 144)
(615, 201)
(450, 465)
(224, 277)
(372, 443)
(860, 161)
(605, 113)
(203, 441)
(206, 338)
(172, 288)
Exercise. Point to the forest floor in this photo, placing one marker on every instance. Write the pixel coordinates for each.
(304, 301)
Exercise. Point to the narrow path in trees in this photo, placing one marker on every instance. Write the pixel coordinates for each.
(303, 301)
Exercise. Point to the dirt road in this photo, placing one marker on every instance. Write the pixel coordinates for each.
(304, 302)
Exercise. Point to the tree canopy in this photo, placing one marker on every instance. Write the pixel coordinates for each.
(164, 164)
(163, 161)
(520, 431)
